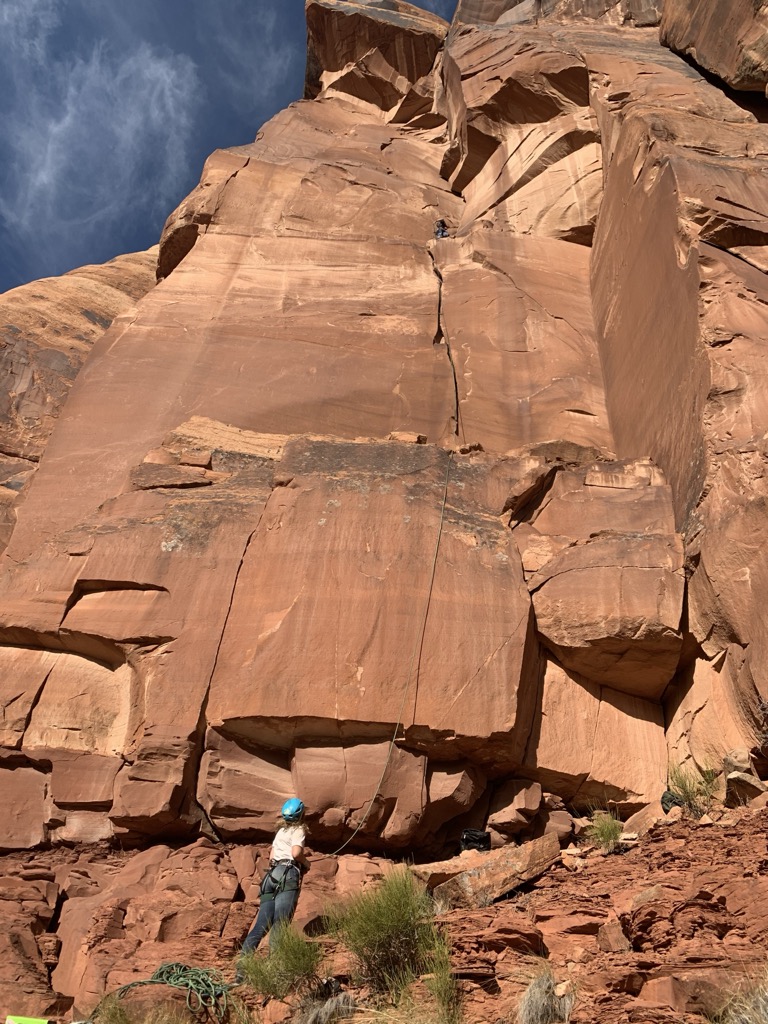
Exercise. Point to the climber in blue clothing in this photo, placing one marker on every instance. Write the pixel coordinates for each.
(281, 884)
(441, 229)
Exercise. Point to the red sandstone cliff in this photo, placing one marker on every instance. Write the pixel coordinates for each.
(500, 493)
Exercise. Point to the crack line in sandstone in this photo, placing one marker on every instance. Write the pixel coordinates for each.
(488, 264)
(504, 643)
(579, 568)
(441, 338)
(35, 701)
(200, 740)
(735, 255)
(15, 455)
(219, 199)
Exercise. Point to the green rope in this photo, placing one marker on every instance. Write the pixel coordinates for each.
(206, 989)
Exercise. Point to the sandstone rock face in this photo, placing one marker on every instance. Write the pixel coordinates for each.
(47, 329)
(727, 37)
(437, 529)
(516, 12)
(405, 520)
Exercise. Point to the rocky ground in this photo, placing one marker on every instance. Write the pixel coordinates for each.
(664, 929)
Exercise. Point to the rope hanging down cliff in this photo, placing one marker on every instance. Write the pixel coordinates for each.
(419, 643)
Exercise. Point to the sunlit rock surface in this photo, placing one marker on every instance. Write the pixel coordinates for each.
(494, 492)
(727, 37)
(47, 329)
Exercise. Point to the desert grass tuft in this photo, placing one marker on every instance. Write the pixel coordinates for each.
(318, 1010)
(292, 964)
(112, 1010)
(748, 1004)
(694, 790)
(442, 984)
(605, 830)
(541, 1004)
(389, 930)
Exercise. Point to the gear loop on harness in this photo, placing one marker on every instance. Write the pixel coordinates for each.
(282, 876)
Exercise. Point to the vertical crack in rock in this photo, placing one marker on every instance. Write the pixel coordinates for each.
(441, 338)
(200, 740)
(33, 705)
(220, 197)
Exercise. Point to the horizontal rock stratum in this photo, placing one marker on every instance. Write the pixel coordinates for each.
(495, 492)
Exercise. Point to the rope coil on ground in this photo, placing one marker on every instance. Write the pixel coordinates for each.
(206, 988)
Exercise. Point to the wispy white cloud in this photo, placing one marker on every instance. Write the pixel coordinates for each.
(88, 139)
(256, 57)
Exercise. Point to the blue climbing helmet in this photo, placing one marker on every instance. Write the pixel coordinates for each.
(292, 810)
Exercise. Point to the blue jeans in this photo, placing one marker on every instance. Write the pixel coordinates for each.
(272, 911)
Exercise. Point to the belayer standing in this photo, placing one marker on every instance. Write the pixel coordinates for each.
(281, 884)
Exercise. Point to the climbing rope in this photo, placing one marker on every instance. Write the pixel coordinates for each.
(416, 650)
(206, 989)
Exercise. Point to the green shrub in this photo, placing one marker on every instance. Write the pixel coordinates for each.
(605, 830)
(390, 932)
(540, 1003)
(292, 964)
(693, 790)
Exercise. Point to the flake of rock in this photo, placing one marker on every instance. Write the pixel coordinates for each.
(610, 610)
(741, 787)
(499, 873)
(371, 51)
(727, 37)
(593, 743)
(513, 805)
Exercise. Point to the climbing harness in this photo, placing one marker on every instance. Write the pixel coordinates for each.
(416, 650)
(283, 876)
(206, 989)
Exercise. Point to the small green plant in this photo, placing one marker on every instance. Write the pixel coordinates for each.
(541, 1004)
(693, 790)
(111, 1010)
(442, 983)
(748, 1004)
(605, 830)
(292, 964)
(389, 930)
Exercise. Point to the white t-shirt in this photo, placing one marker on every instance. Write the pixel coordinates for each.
(286, 838)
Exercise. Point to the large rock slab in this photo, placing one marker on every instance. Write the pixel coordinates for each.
(47, 329)
(594, 745)
(655, 215)
(518, 12)
(605, 569)
(25, 791)
(610, 610)
(500, 872)
(727, 37)
(373, 50)
(408, 653)
(368, 787)
(544, 381)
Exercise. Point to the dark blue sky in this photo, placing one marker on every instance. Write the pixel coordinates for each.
(108, 109)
